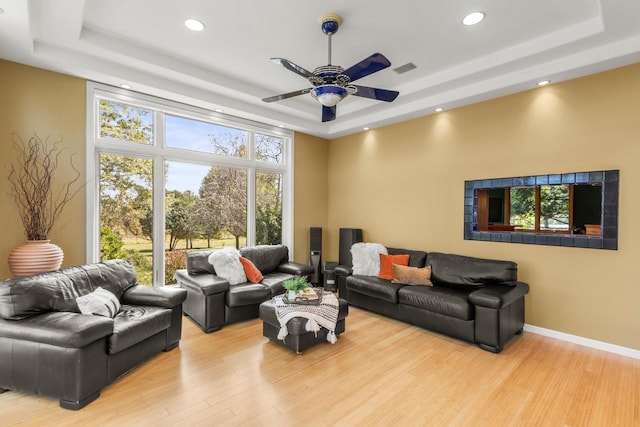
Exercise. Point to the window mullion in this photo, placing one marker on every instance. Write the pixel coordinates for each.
(158, 204)
(251, 191)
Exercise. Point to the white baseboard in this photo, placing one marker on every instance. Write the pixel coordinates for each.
(599, 345)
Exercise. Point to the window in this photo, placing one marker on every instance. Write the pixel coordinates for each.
(268, 207)
(126, 220)
(173, 178)
(124, 122)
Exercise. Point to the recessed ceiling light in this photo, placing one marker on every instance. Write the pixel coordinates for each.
(218, 110)
(125, 86)
(280, 126)
(365, 128)
(437, 110)
(194, 24)
(544, 82)
(473, 18)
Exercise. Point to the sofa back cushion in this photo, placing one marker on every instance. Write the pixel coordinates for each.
(266, 258)
(198, 263)
(22, 297)
(470, 273)
(416, 258)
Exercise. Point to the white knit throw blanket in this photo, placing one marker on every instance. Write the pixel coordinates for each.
(323, 315)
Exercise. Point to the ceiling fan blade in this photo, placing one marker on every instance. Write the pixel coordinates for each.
(293, 67)
(375, 93)
(287, 95)
(370, 65)
(328, 113)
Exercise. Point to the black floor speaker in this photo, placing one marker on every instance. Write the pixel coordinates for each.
(316, 255)
(348, 236)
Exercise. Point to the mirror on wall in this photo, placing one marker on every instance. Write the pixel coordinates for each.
(571, 209)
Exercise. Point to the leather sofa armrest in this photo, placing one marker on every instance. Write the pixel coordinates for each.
(168, 296)
(343, 270)
(498, 296)
(208, 284)
(62, 329)
(295, 268)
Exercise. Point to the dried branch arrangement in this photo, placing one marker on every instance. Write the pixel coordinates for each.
(32, 184)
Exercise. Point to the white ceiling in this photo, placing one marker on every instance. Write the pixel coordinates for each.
(144, 43)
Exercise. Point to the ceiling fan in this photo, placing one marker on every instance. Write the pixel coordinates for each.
(332, 83)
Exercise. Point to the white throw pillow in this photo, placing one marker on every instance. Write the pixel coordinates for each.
(227, 264)
(366, 258)
(100, 302)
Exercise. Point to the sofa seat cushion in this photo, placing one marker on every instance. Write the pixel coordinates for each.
(246, 294)
(68, 330)
(134, 324)
(445, 301)
(375, 287)
(274, 282)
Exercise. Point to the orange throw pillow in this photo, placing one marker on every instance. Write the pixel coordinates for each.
(386, 264)
(251, 271)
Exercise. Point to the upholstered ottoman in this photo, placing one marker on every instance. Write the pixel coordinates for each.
(298, 338)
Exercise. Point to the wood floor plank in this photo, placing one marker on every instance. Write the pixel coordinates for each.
(380, 372)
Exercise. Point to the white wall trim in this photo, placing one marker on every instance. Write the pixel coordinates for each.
(587, 342)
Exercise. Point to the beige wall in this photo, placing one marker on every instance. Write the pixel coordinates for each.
(310, 192)
(403, 185)
(50, 104)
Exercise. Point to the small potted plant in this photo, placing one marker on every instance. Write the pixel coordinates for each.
(295, 286)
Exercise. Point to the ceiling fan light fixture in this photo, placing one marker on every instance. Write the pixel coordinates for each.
(473, 18)
(329, 95)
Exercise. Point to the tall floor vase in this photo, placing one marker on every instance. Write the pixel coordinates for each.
(35, 256)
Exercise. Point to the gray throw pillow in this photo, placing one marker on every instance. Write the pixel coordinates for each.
(99, 302)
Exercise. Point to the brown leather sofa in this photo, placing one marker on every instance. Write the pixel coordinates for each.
(48, 348)
(473, 299)
(212, 303)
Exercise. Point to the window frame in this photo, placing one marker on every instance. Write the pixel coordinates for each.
(160, 153)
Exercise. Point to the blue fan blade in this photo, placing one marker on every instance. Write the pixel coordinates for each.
(370, 65)
(375, 93)
(328, 113)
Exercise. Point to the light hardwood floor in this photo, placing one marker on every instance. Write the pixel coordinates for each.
(380, 372)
